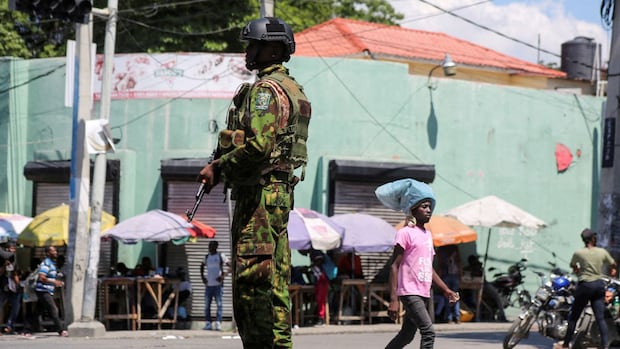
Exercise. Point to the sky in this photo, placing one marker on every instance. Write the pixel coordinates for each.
(553, 22)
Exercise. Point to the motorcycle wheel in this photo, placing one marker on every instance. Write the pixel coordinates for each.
(518, 330)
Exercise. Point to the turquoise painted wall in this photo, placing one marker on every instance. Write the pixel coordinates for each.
(483, 139)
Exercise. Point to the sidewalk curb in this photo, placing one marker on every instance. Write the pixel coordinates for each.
(227, 333)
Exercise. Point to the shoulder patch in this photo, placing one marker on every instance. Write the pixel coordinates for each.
(262, 101)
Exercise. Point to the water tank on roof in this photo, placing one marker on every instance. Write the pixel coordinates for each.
(578, 58)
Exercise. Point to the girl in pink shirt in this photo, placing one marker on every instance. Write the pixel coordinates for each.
(412, 273)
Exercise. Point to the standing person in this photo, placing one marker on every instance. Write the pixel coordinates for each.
(46, 286)
(263, 145)
(412, 273)
(450, 272)
(213, 274)
(588, 263)
(12, 290)
(321, 285)
(473, 269)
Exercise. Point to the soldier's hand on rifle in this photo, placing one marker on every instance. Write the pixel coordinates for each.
(208, 174)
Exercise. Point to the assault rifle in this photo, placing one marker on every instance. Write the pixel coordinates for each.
(204, 188)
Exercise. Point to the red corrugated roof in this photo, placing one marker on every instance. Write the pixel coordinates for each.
(341, 37)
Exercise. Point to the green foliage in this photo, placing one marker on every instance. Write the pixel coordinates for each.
(26, 36)
(177, 26)
(162, 26)
(377, 11)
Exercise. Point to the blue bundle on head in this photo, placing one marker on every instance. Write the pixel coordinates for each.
(403, 194)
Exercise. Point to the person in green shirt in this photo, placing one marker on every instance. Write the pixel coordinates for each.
(588, 263)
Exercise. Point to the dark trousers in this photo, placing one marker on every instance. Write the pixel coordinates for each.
(416, 317)
(593, 292)
(15, 301)
(45, 302)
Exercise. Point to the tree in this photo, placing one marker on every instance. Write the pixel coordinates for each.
(173, 26)
(179, 26)
(302, 14)
(209, 26)
(27, 37)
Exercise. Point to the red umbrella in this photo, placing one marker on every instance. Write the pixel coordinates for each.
(200, 229)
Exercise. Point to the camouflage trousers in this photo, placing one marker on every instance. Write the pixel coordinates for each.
(262, 260)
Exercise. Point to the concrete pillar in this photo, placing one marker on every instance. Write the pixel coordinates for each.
(609, 198)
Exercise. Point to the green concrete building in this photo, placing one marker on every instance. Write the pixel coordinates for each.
(372, 122)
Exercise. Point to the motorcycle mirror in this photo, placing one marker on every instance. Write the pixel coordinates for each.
(523, 259)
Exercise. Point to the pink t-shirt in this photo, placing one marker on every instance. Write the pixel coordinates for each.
(415, 275)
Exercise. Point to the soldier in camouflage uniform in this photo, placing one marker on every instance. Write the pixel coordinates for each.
(265, 141)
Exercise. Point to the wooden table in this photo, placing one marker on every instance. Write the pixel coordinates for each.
(381, 294)
(300, 295)
(155, 288)
(475, 284)
(347, 289)
(126, 287)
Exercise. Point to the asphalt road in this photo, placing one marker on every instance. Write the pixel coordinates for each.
(356, 337)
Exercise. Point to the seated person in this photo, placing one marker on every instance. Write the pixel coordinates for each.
(473, 269)
(299, 275)
(121, 269)
(350, 266)
(185, 290)
(144, 268)
(185, 287)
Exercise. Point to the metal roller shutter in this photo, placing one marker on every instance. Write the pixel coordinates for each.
(180, 196)
(352, 189)
(359, 197)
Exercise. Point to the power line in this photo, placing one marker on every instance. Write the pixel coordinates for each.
(169, 101)
(449, 12)
(49, 72)
(142, 24)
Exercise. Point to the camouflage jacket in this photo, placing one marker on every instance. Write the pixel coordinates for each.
(263, 111)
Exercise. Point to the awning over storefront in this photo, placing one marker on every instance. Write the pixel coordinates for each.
(371, 171)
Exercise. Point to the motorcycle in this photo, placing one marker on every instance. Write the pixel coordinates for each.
(500, 293)
(587, 333)
(549, 309)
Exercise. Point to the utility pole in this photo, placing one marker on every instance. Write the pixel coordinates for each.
(79, 12)
(609, 197)
(88, 326)
(80, 175)
(266, 8)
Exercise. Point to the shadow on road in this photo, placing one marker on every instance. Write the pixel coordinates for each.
(535, 340)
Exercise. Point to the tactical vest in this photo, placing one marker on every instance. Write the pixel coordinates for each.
(290, 151)
(291, 148)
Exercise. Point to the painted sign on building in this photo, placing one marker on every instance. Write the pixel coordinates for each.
(170, 75)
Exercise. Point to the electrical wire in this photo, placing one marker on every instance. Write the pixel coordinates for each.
(451, 13)
(144, 25)
(49, 72)
(169, 101)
